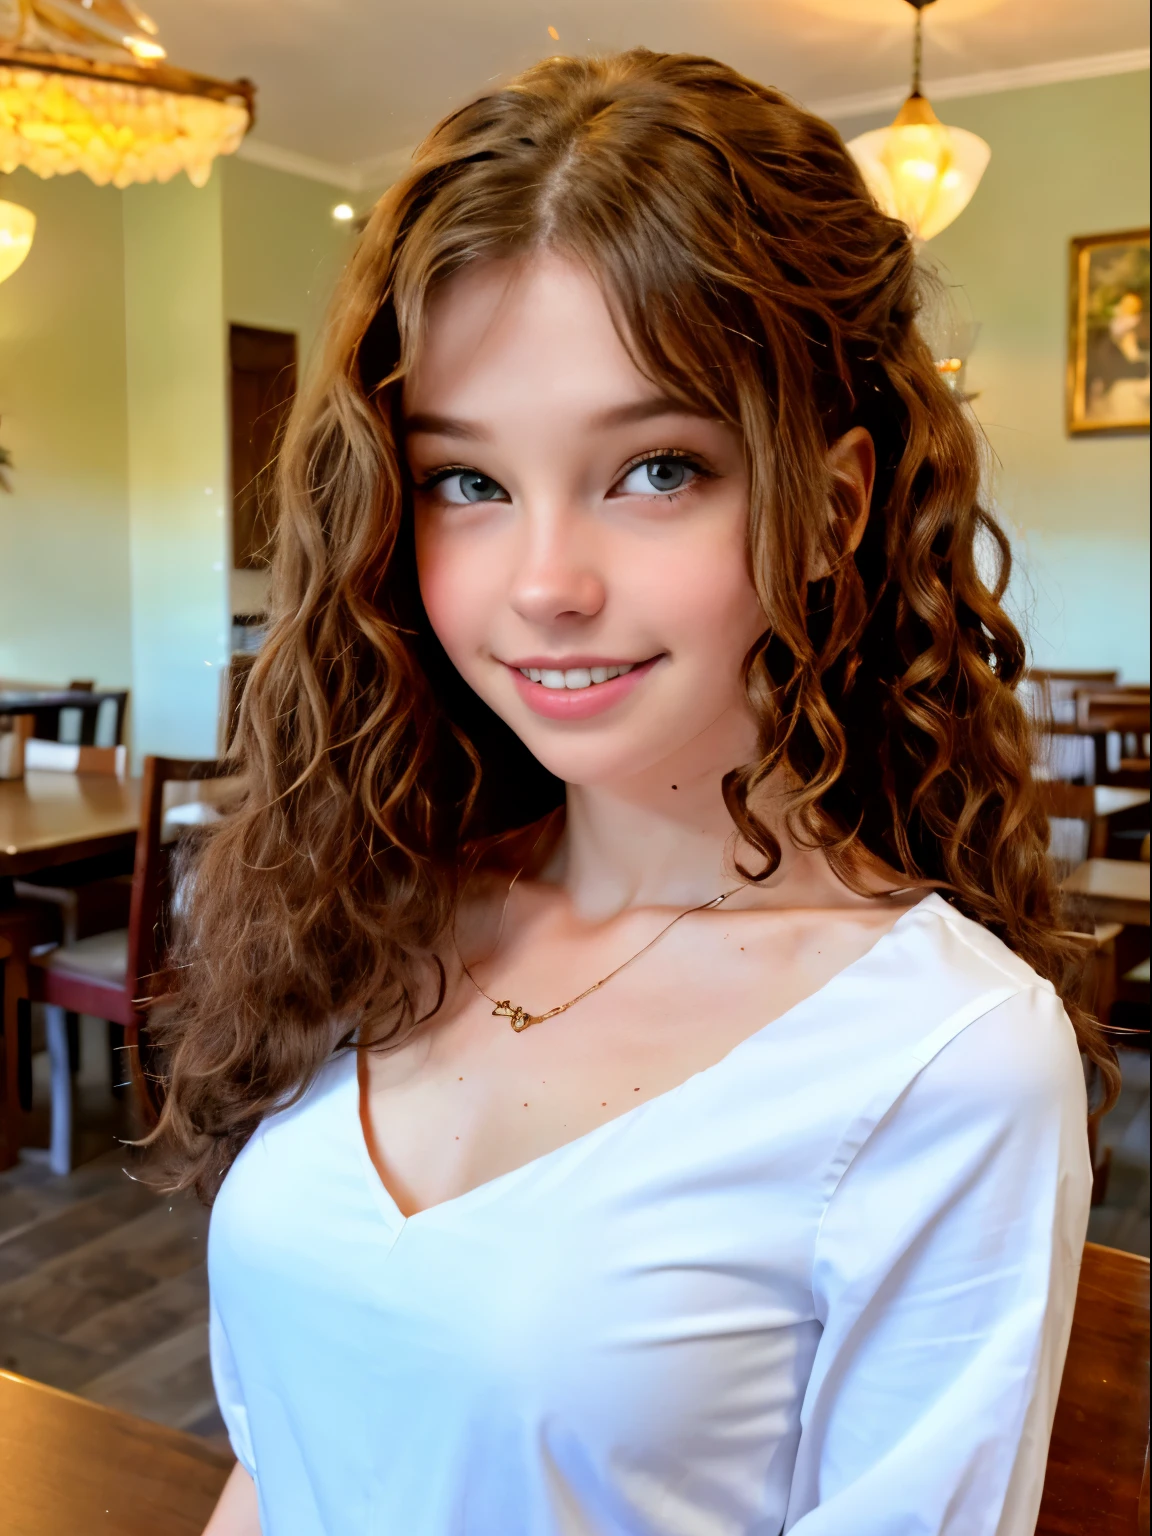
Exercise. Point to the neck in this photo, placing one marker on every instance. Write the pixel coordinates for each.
(660, 838)
(665, 838)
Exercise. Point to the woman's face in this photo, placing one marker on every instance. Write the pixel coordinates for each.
(580, 538)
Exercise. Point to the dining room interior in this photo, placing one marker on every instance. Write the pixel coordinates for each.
(179, 192)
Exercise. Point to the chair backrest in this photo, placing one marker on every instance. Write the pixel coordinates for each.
(1098, 1457)
(1124, 710)
(1122, 713)
(1071, 813)
(1071, 802)
(65, 757)
(1051, 691)
(146, 918)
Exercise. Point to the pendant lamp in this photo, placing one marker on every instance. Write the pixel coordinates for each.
(918, 169)
(17, 226)
(84, 86)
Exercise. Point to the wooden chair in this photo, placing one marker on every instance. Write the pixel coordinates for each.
(1097, 994)
(109, 974)
(1073, 803)
(72, 903)
(1049, 695)
(1107, 814)
(1123, 713)
(1097, 1479)
(1052, 691)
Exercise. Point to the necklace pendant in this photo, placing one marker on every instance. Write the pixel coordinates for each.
(518, 1017)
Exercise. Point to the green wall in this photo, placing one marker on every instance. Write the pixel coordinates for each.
(282, 249)
(1068, 159)
(114, 547)
(63, 415)
(177, 463)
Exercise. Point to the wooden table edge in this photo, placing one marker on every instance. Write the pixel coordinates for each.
(28, 860)
(179, 1439)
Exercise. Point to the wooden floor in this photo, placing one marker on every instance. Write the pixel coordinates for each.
(103, 1288)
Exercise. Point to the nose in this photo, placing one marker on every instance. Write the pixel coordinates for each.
(556, 577)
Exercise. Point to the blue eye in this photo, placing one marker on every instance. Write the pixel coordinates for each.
(469, 485)
(658, 477)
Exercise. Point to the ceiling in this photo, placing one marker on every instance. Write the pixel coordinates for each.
(355, 83)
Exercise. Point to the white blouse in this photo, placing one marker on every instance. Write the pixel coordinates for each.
(824, 1287)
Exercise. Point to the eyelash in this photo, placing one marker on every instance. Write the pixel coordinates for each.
(681, 457)
(435, 476)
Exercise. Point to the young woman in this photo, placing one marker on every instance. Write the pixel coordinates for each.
(623, 1029)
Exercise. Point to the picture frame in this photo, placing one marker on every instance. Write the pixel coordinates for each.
(1107, 384)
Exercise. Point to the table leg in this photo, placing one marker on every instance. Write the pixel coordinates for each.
(15, 993)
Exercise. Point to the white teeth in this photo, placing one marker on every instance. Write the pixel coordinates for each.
(574, 677)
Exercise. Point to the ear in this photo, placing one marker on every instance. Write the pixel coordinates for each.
(852, 466)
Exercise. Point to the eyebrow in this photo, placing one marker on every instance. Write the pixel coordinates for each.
(615, 416)
(443, 426)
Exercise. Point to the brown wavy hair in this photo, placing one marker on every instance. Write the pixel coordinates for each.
(751, 275)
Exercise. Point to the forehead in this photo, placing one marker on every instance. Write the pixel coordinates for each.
(529, 326)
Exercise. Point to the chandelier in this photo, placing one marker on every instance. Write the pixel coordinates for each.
(917, 169)
(85, 86)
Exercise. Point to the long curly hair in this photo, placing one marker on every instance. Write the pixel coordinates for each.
(751, 274)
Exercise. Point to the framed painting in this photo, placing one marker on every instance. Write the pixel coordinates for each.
(1108, 333)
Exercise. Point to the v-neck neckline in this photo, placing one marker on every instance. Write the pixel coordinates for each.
(396, 1217)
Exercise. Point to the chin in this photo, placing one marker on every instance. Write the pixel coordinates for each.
(600, 753)
(591, 764)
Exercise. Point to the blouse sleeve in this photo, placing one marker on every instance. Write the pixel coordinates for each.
(229, 1395)
(945, 1277)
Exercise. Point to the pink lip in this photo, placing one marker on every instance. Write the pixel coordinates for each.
(577, 703)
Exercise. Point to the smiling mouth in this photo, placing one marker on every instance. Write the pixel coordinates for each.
(575, 678)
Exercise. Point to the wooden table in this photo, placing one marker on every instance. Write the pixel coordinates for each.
(1110, 798)
(1113, 890)
(48, 819)
(72, 1468)
(1097, 1469)
(45, 704)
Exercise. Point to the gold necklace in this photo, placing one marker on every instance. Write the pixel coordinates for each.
(519, 1018)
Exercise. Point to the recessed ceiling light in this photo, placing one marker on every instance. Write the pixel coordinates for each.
(343, 212)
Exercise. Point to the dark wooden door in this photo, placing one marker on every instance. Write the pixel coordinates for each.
(263, 384)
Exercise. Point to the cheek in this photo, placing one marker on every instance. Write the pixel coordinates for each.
(704, 603)
(457, 586)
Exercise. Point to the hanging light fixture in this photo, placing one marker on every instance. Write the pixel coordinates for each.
(918, 169)
(17, 226)
(84, 86)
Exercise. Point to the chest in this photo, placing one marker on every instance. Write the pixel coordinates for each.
(470, 1099)
(639, 1299)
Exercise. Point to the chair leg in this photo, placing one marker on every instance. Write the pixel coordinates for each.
(56, 1029)
(24, 1054)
